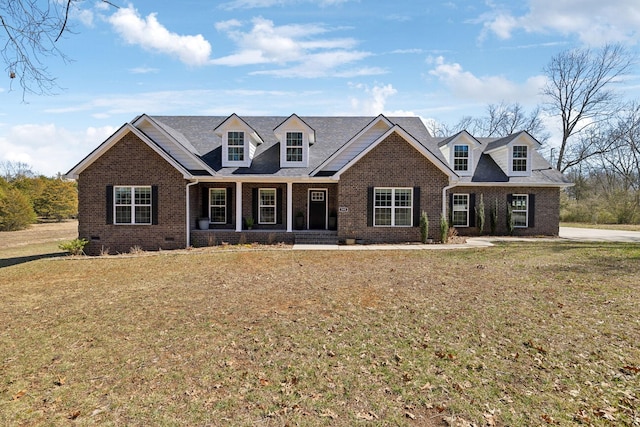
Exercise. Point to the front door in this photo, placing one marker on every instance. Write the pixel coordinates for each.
(317, 209)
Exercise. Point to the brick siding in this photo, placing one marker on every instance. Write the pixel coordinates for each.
(392, 163)
(546, 214)
(131, 162)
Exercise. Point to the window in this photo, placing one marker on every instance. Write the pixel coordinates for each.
(460, 210)
(235, 144)
(132, 205)
(267, 206)
(519, 161)
(393, 207)
(294, 147)
(218, 205)
(520, 210)
(460, 157)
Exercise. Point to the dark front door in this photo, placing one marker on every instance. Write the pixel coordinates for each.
(317, 209)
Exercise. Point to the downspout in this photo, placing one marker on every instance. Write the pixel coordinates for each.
(189, 212)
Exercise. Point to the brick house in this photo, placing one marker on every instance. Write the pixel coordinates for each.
(166, 182)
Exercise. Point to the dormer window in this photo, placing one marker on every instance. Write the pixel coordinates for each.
(295, 137)
(294, 149)
(519, 158)
(235, 146)
(461, 158)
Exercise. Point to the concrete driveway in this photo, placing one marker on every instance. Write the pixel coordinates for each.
(597, 235)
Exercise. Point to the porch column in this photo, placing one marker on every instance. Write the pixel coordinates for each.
(238, 206)
(289, 206)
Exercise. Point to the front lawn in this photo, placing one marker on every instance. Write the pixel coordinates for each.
(543, 333)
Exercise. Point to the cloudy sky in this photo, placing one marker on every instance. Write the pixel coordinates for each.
(439, 60)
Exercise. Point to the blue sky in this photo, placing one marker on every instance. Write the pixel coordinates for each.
(440, 60)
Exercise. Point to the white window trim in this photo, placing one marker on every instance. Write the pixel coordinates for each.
(275, 206)
(526, 172)
(226, 202)
(467, 171)
(453, 209)
(526, 211)
(225, 150)
(305, 150)
(393, 206)
(132, 205)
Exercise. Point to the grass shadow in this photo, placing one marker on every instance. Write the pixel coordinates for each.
(8, 262)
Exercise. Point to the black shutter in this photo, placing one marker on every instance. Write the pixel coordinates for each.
(279, 204)
(532, 209)
(370, 207)
(254, 206)
(229, 205)
(109, 206)
(509, 199)
(204, 211)
(154, 204)
(416, 206)
(472, 210)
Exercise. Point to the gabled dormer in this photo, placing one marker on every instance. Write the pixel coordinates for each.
(239, 142)
(459, 150)
(513, 153)
(295, 138)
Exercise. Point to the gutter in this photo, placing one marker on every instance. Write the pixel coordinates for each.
(444, 197)
(188, 210)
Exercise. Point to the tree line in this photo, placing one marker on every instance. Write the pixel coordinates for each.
(25, 197)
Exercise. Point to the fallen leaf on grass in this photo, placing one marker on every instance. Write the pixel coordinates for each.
(410, 415)
(329, 414)
(548, 419)
(630, 370)
(369, 416)
(60, 381)
(73, 415)
(530, 344)
(264, 382)
(19, 394)
(606, 413)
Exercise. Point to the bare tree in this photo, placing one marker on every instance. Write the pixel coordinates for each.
(29, 30)
(11, 171)
(580, 90)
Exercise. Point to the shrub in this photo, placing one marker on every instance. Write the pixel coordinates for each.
(424, 227)
(510, 225)
(480, 215)
(444, 228)
(16, 212)
(493, 217)
(74, 247)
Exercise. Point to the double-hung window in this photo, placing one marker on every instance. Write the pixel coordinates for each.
(393, 207)
(461, 158)
(460, 210)
(267, 206)
(132, 204)
(519, 160)
(235, 146)
(294, 147)
(520, 210)
(218, 205)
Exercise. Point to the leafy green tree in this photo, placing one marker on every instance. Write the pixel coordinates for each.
(16, 212)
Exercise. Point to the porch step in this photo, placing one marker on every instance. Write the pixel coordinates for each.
(320, 237)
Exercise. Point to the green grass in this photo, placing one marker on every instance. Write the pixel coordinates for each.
(518, 334)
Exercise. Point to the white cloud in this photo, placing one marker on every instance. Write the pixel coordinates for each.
(149, 34)
(297, 47)
(143, 70)
(595, 22)
(374, 101)
(49, 149)
(487, 89)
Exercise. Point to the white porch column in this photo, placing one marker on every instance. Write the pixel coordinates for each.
(289, 206)
(238, 206)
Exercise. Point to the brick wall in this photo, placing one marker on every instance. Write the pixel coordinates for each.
(131, 162)
(546, 209)
(392, 163)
